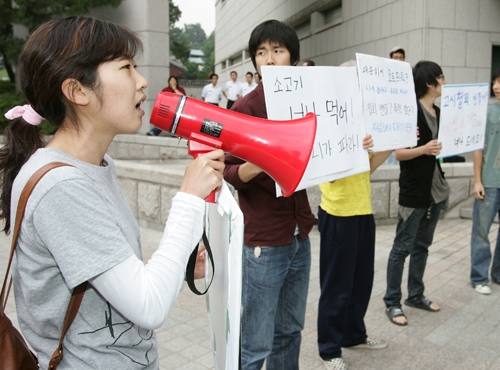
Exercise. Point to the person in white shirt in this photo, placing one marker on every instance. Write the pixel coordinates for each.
(257, 78)
(212, 93)
(248, 86)
(231, 89)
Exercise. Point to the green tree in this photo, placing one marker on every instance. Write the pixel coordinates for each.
(209, 51)
(179, 44)
(32, 13)
(174, 13)
(195, 34)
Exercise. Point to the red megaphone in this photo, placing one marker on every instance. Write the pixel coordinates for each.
(280, 148)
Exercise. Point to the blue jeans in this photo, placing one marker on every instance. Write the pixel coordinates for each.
(483, 214)
(274, 299)
(413, 237)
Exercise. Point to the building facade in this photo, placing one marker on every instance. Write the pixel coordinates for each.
(463, 36)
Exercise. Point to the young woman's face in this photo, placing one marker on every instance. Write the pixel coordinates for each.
(121, 88)
(172, 82)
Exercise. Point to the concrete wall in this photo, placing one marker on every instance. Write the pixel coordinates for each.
(457, 34)
(156, 167)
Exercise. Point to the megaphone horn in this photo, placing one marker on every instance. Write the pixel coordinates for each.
(280, 148)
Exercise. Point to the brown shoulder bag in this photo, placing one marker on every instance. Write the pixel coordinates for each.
(14, 352)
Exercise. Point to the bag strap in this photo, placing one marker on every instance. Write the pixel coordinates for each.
(74, 306)
(192, 264)
(78, 292)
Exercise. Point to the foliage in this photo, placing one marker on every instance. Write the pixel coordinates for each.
(192, 72)
(195, 34)
(174, 13)
(179, 44)
(193, 37)
(209, 51)
(32, 13)
(9, 98)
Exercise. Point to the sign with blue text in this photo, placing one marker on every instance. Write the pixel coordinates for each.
(389, 102)
(463, 118)
(331, 93)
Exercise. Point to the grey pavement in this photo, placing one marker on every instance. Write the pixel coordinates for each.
(465, 334)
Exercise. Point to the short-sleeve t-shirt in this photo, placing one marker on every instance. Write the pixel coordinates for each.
(490, 171)
(350, 196)
(77, 225)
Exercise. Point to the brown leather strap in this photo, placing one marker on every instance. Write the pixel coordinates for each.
(74, 306)
(21, 206)
(78, 292)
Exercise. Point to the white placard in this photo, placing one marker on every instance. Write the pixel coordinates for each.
(389, 102)
(224, 228)
(463, 118)
(332, 93)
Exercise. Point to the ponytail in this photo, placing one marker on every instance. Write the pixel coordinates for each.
(21, 140)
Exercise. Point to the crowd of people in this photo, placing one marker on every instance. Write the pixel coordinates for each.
(79, 227)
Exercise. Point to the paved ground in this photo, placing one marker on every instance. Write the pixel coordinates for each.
(464, 335)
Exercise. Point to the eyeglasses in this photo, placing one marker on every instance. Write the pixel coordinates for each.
(440, 76)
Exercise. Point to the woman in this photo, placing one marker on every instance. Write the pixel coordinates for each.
(79, 73)
(173, 86)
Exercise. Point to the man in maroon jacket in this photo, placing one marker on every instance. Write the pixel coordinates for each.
(277, 257)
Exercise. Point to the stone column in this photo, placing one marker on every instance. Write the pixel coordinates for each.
(150, 20)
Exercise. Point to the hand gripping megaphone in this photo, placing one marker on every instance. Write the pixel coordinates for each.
(280, 148)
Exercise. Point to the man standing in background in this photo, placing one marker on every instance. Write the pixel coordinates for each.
(398, 53)
(248, 86)
(212, 93)
(231, 89)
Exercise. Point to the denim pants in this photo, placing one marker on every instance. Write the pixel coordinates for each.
(413, 237)
(346, 277)
(483, 214)
(275, 286)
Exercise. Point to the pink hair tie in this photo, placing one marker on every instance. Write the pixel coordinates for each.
(28, 114)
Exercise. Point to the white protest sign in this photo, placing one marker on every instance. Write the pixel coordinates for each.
(332, 93)
(389, 102)
(224, 228)
(463, 118)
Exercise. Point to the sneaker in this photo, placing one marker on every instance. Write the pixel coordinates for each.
(335, 364)
(483, 289)
(372, 343)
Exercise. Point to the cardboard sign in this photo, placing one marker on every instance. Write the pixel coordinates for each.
(224, 228)
(389, 102)
(462, 123)
(331, 93)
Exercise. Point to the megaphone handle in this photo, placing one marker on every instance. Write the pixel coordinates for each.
(196, 149)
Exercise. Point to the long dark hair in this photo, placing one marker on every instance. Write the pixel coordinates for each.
(72, 47)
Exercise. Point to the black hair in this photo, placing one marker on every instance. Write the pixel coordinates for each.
(275, 31)
(310, 63)
(214, 74)
(401, 51)
(250, 73)
(495, 75)
(60, 49)
(233, 72)
(425, 72)
(175, 78)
